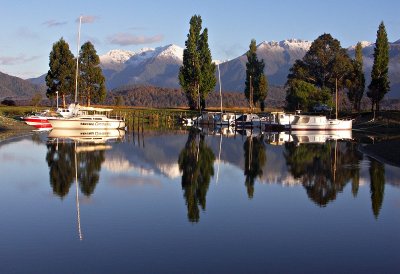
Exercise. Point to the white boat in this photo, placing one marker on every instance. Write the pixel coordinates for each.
(86, 117)
(227, 118)
(278, 121)
(249, 120)
(40, 119)
(308, 122)
(89, 118)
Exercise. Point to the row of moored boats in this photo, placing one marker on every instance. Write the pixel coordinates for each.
(272, 121)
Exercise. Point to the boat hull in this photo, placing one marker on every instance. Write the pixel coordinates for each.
(82, 124)
(320, 123)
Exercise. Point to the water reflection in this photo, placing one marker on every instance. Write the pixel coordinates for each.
(377, 186)
(324, 168)
(255, 159)
(323, 163)
(196, 162)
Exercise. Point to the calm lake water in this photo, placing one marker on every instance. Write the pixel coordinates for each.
(185, 202)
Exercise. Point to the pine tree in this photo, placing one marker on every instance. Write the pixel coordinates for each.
(91, 79)
(256, 85)
(197, 74)
(356, 82)
(61, 75)
(379, 85)
(324, 63)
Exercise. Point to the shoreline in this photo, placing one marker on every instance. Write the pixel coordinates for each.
(11, 128)
(386, 151)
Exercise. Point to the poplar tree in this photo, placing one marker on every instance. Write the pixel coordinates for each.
(256, 85)
(379, 85)
(61, 75)
(356, 84)
(91, 79)
(196, 75)
(207, 69)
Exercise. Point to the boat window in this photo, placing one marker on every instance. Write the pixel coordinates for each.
(304, 119)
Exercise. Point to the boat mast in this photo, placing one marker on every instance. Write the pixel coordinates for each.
(220, 92)
(336, 99)
(77, 59)
(251, 96)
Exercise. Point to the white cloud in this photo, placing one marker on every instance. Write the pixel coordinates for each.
(53, 23)
(12, 60)
(125, 39)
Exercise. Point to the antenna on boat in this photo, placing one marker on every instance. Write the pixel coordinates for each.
(336, 99)
(77, 59)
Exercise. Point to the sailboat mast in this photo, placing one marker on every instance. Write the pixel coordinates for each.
(220, 91)
(336, 93)
(77, 59)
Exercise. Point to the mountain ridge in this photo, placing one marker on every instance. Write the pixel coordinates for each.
(160, 66)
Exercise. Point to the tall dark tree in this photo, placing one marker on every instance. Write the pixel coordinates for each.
(324, 63)
(356, 82)
(196, 75)
(207, 69)
(61, 75)
(256, 85)
(91, 79)
(379, 85)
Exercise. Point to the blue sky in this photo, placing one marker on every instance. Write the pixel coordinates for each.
(29, 28)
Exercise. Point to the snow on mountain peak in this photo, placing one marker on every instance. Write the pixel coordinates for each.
(171, 50)
(287, 44)
(116, 56)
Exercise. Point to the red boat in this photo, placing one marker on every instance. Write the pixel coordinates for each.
(38, 120)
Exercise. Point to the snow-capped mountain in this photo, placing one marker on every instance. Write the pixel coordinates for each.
(160, 66)
(278, 58)
(157, 66)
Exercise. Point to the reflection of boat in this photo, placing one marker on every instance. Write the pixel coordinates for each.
(308, 122)
(300, 137)
(97, 136)
(277, 138)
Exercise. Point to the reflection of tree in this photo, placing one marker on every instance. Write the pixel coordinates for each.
(324, 169)
(377, 175)
(60, 159)
(89, 169)
(197, 165)
(255, 159)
